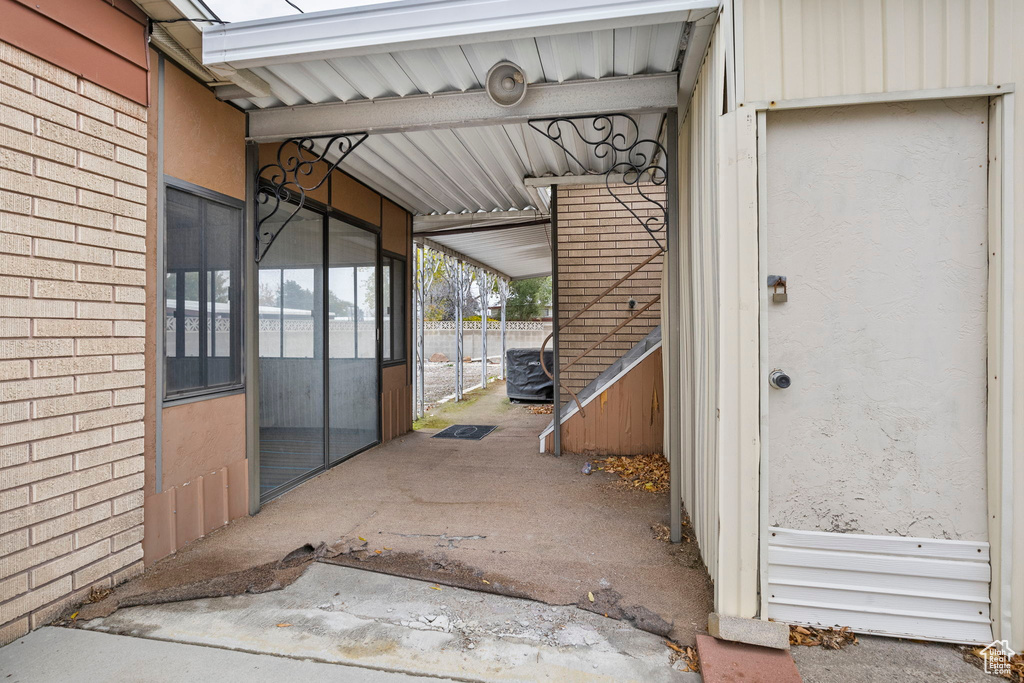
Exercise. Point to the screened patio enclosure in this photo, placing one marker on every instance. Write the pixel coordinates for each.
(319, 346)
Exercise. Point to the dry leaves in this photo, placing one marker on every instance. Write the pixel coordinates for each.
(644, 472)
(687, 655)
(542, 409)
(97, 594)
(828, 638)
(661, 532)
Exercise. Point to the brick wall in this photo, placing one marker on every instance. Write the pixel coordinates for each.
(599, 241)
(72, 328)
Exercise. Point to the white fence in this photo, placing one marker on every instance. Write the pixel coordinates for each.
(439, 336)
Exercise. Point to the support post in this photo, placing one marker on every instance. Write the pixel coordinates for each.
(459, 295)
(483, 282)
(251, 338)
(556, 404)
(417, 307)
(422, 330)
(671, 312)
(503, 287)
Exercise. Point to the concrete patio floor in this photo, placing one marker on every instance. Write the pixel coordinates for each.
(491, 515)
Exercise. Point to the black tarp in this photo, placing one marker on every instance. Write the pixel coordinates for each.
(526, 378)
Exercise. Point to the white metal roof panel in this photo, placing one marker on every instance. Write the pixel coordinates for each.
(416, 24)
(517, 252)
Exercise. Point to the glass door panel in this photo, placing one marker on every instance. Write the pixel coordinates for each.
(291, 337)
(354, 401)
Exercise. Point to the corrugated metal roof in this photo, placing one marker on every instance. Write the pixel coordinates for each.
(516, 252)
(477, 169)
(544, 59)
(472, 169)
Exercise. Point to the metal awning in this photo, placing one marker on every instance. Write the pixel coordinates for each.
(411, 74)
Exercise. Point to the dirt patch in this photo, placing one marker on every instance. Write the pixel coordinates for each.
(259, 579)
(436, 569)
(608, 603)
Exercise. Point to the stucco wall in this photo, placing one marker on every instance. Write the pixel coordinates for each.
(877, 216)
(803, 50)
(203, 467)
(72, 269)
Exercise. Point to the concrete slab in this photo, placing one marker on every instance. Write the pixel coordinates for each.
(61, 654)
(722, 661)
(750, 631)
(359, 618)
(530, 524)
(887, 660)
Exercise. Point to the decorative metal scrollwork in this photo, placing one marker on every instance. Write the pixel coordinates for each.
(638, 160)
(296, 172)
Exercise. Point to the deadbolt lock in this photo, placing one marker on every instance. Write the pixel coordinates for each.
(778, 285)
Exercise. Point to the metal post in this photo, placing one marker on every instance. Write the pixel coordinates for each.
(556, 407)
(422, 330)
(670, 311)
(483, 285)
(251, 338)
(458, 328)
(417, 308)
(503, 287)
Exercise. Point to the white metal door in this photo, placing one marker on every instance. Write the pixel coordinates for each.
(877, 218)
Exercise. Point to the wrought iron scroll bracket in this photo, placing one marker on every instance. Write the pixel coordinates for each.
(301, 167)
(639, 161)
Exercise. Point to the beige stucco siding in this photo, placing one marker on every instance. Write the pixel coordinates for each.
(789, 51)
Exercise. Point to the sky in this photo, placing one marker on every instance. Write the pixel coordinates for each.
(242, 10)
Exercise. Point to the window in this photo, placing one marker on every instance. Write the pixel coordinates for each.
(202, 290)
(393, 298)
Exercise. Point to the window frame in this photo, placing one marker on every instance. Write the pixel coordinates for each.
(395, 258)
(237, 302)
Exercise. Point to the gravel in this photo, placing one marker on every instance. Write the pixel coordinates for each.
(439, 378)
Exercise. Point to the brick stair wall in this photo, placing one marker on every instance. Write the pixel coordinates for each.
(599, 241)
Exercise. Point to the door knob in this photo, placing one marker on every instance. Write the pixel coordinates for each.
(779, 379)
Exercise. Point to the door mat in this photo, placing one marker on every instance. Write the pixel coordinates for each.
(472, 432)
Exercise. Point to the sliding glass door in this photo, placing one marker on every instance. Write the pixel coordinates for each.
(352, 339)
(319, 359)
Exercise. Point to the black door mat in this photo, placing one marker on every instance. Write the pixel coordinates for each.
(472, 432)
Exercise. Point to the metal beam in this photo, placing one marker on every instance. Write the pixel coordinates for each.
(420, 24)
(592, 179)
(451, 220)
(440, 248)
(632, 94)
(440, 232)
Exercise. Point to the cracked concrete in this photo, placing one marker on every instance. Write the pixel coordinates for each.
(493, 516)
(365, 619)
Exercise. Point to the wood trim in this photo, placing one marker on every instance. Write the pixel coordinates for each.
(90, 38)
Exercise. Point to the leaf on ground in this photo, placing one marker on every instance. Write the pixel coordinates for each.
(828, 638)
(361, 539)
(283, 624)
(435, 588)
(646, 472)
(687, 655)
(590, 596)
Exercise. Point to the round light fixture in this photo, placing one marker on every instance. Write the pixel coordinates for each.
(506, 84)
